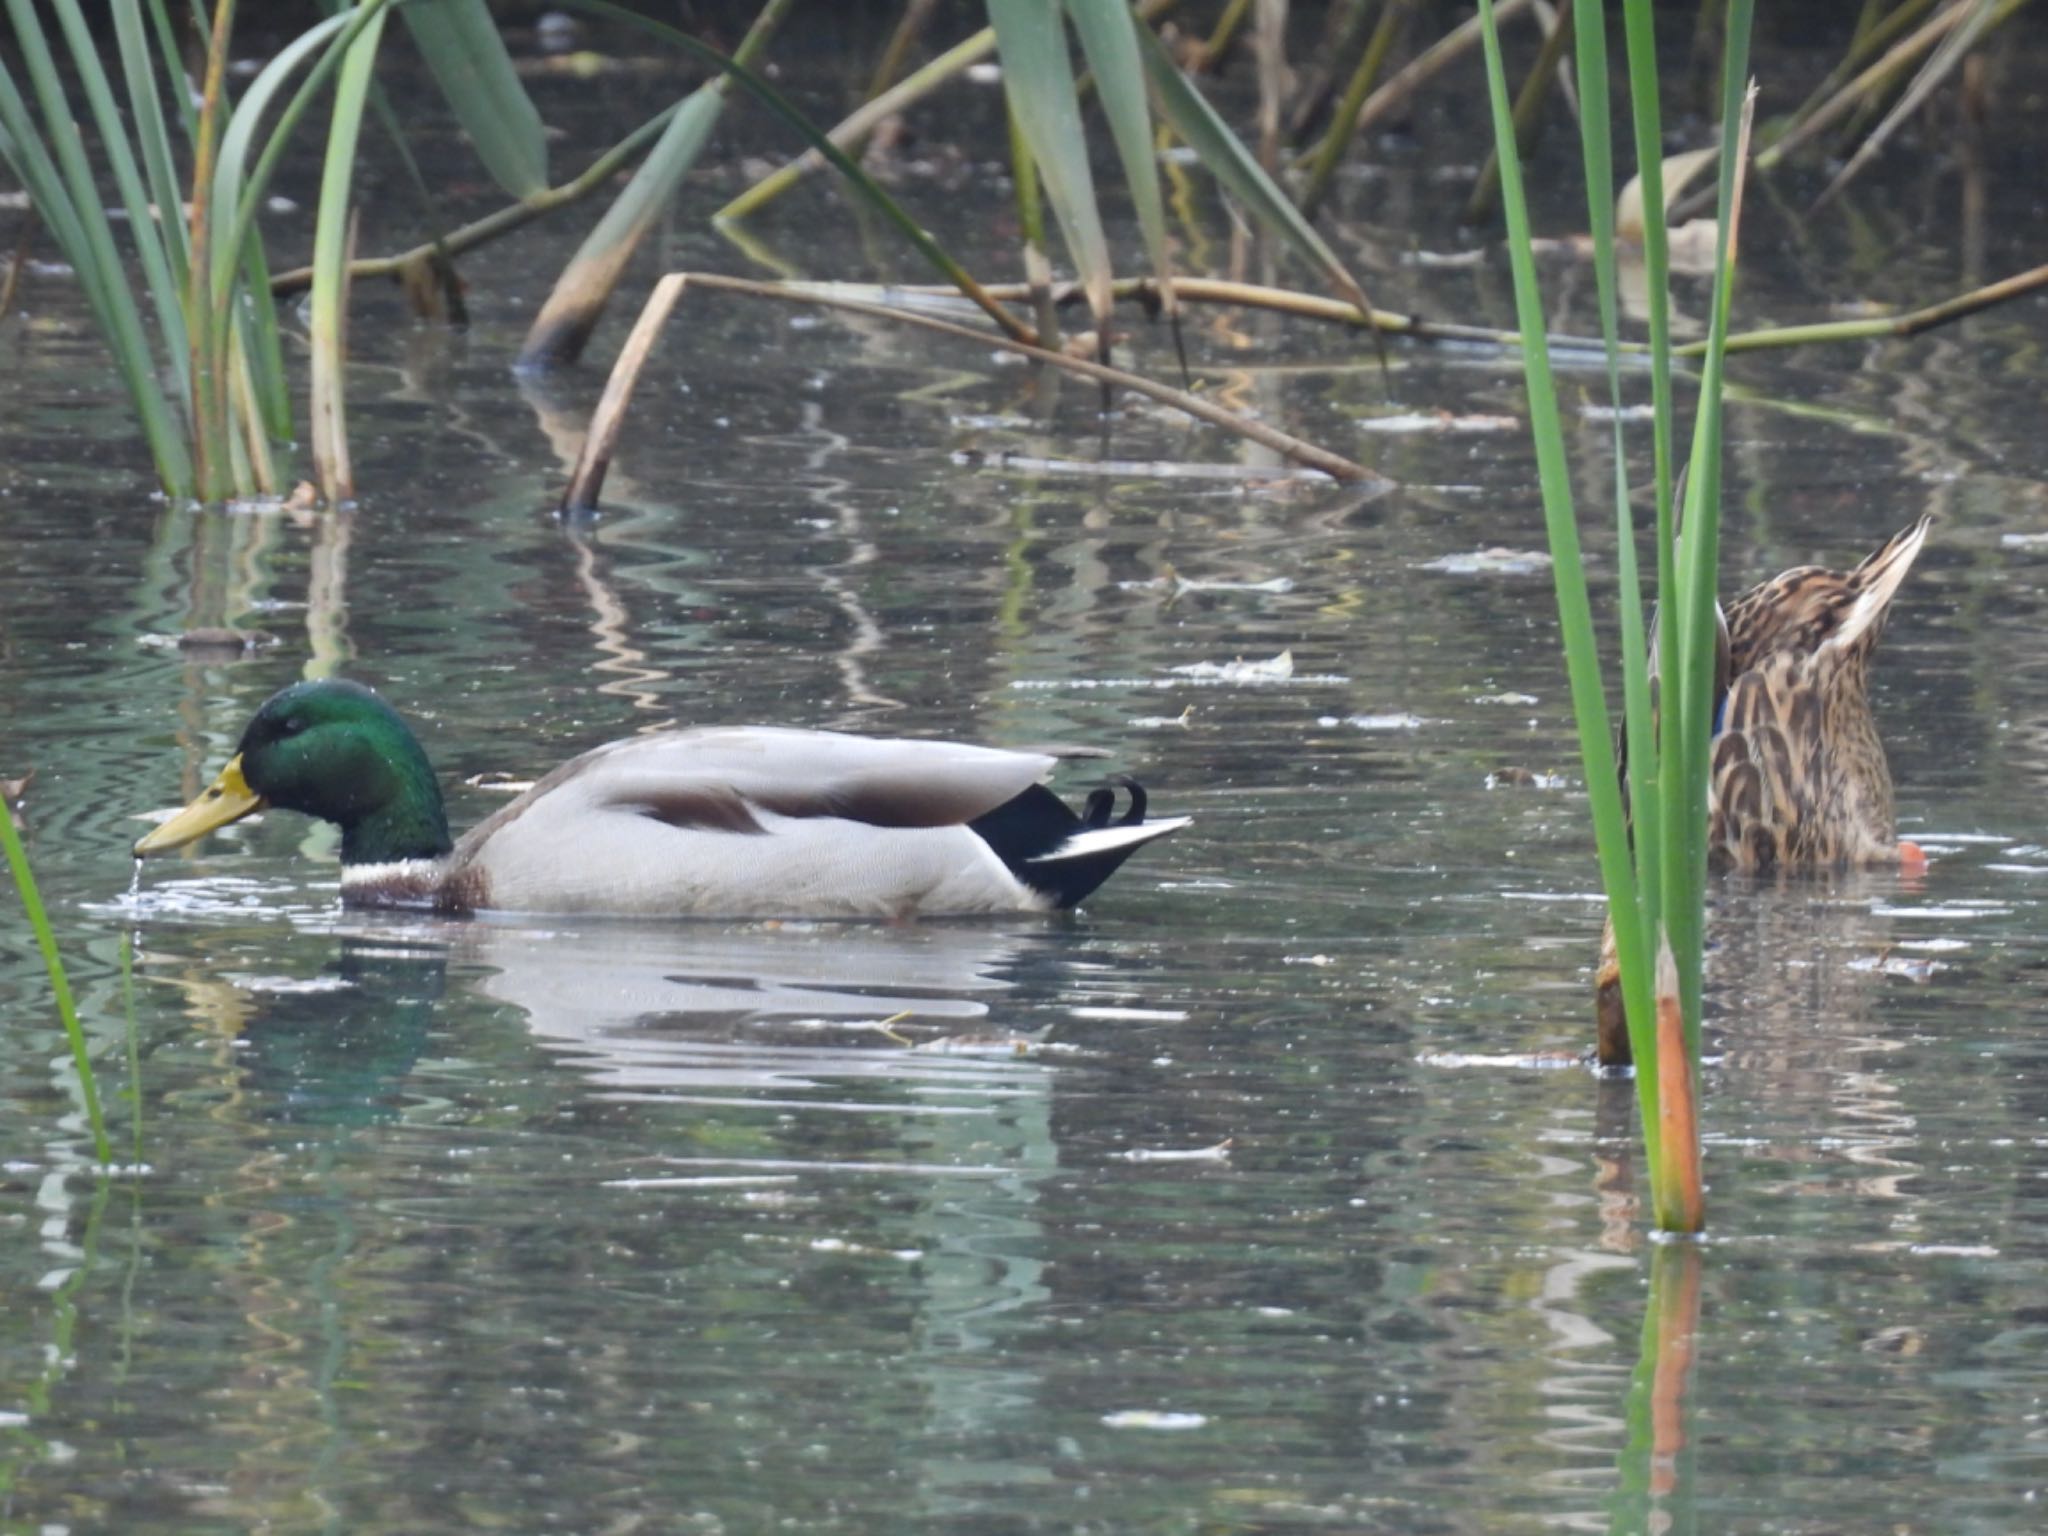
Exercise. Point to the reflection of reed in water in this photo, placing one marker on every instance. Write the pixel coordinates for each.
(840, 582)
(611, 625)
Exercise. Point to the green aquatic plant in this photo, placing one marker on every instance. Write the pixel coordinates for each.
(60, 981)
(209, 388)
(1652, 843)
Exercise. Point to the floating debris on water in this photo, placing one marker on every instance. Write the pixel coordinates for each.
(212, 640)
(1220, 1153)
(1387, 722)
(498, 782)
(290, 986)
(1162, 722)
(706, 1181)
(1198, 674)
(1472, 258)
(980, 423)
(1497, 561)
(1274, 670)
(1154, 1015)
(1907, 967)
(995, 1045)
(1536, 1061)
(1440, 421)
(1952, 911)
(1153, 1418)
(1132, 469)
(1176, 583)
(1519, 700)
(1524, 778)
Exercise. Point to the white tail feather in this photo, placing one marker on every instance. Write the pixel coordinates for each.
(1094, 840)
(1871, 603)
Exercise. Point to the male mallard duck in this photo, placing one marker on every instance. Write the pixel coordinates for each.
(752, 821)
(1798, 778)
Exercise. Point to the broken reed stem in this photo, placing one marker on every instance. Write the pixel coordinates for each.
(488, 228)
(11, 281)
(1528, 114)
(588, 477)
(1209, 52)
(1871, 35)
(1344, 121)
(1957, 48)
(1423, 68)
(909, 28)
(1899, 326)
(1309, 306)
(851, 131)
(209, 385)
(1874, 79)
(1680, 1197)
(1212, 290)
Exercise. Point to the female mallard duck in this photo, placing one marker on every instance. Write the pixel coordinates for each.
(1798, 778)
(749, 821)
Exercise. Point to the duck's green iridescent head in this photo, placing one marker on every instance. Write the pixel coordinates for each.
(330, 749)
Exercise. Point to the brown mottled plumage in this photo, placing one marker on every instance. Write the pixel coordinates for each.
(1798, 779)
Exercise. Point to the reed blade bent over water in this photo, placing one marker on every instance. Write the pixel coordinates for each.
(743, 821)
(1798, 779)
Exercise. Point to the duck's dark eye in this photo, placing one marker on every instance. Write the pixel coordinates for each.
(294, 724)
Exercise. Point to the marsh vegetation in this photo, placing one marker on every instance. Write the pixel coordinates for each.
(1269, 1189)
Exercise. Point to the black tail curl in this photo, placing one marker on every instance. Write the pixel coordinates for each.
(1101, 802)
(1024, 829)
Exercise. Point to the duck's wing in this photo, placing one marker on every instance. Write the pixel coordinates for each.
(756, 821)
(695, 777)
(1766, 773)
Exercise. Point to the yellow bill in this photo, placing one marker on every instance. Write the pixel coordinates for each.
(228, 798)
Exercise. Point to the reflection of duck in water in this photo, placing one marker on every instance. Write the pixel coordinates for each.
(752, 821)
(1798, 779)
(638, 1009)
(643, 1009)
(340, 1047)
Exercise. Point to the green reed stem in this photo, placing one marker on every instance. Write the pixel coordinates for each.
(60, 983)
(1574, 608)
(1653, 865)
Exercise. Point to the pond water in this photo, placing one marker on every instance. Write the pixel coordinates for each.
(1259, 1196)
